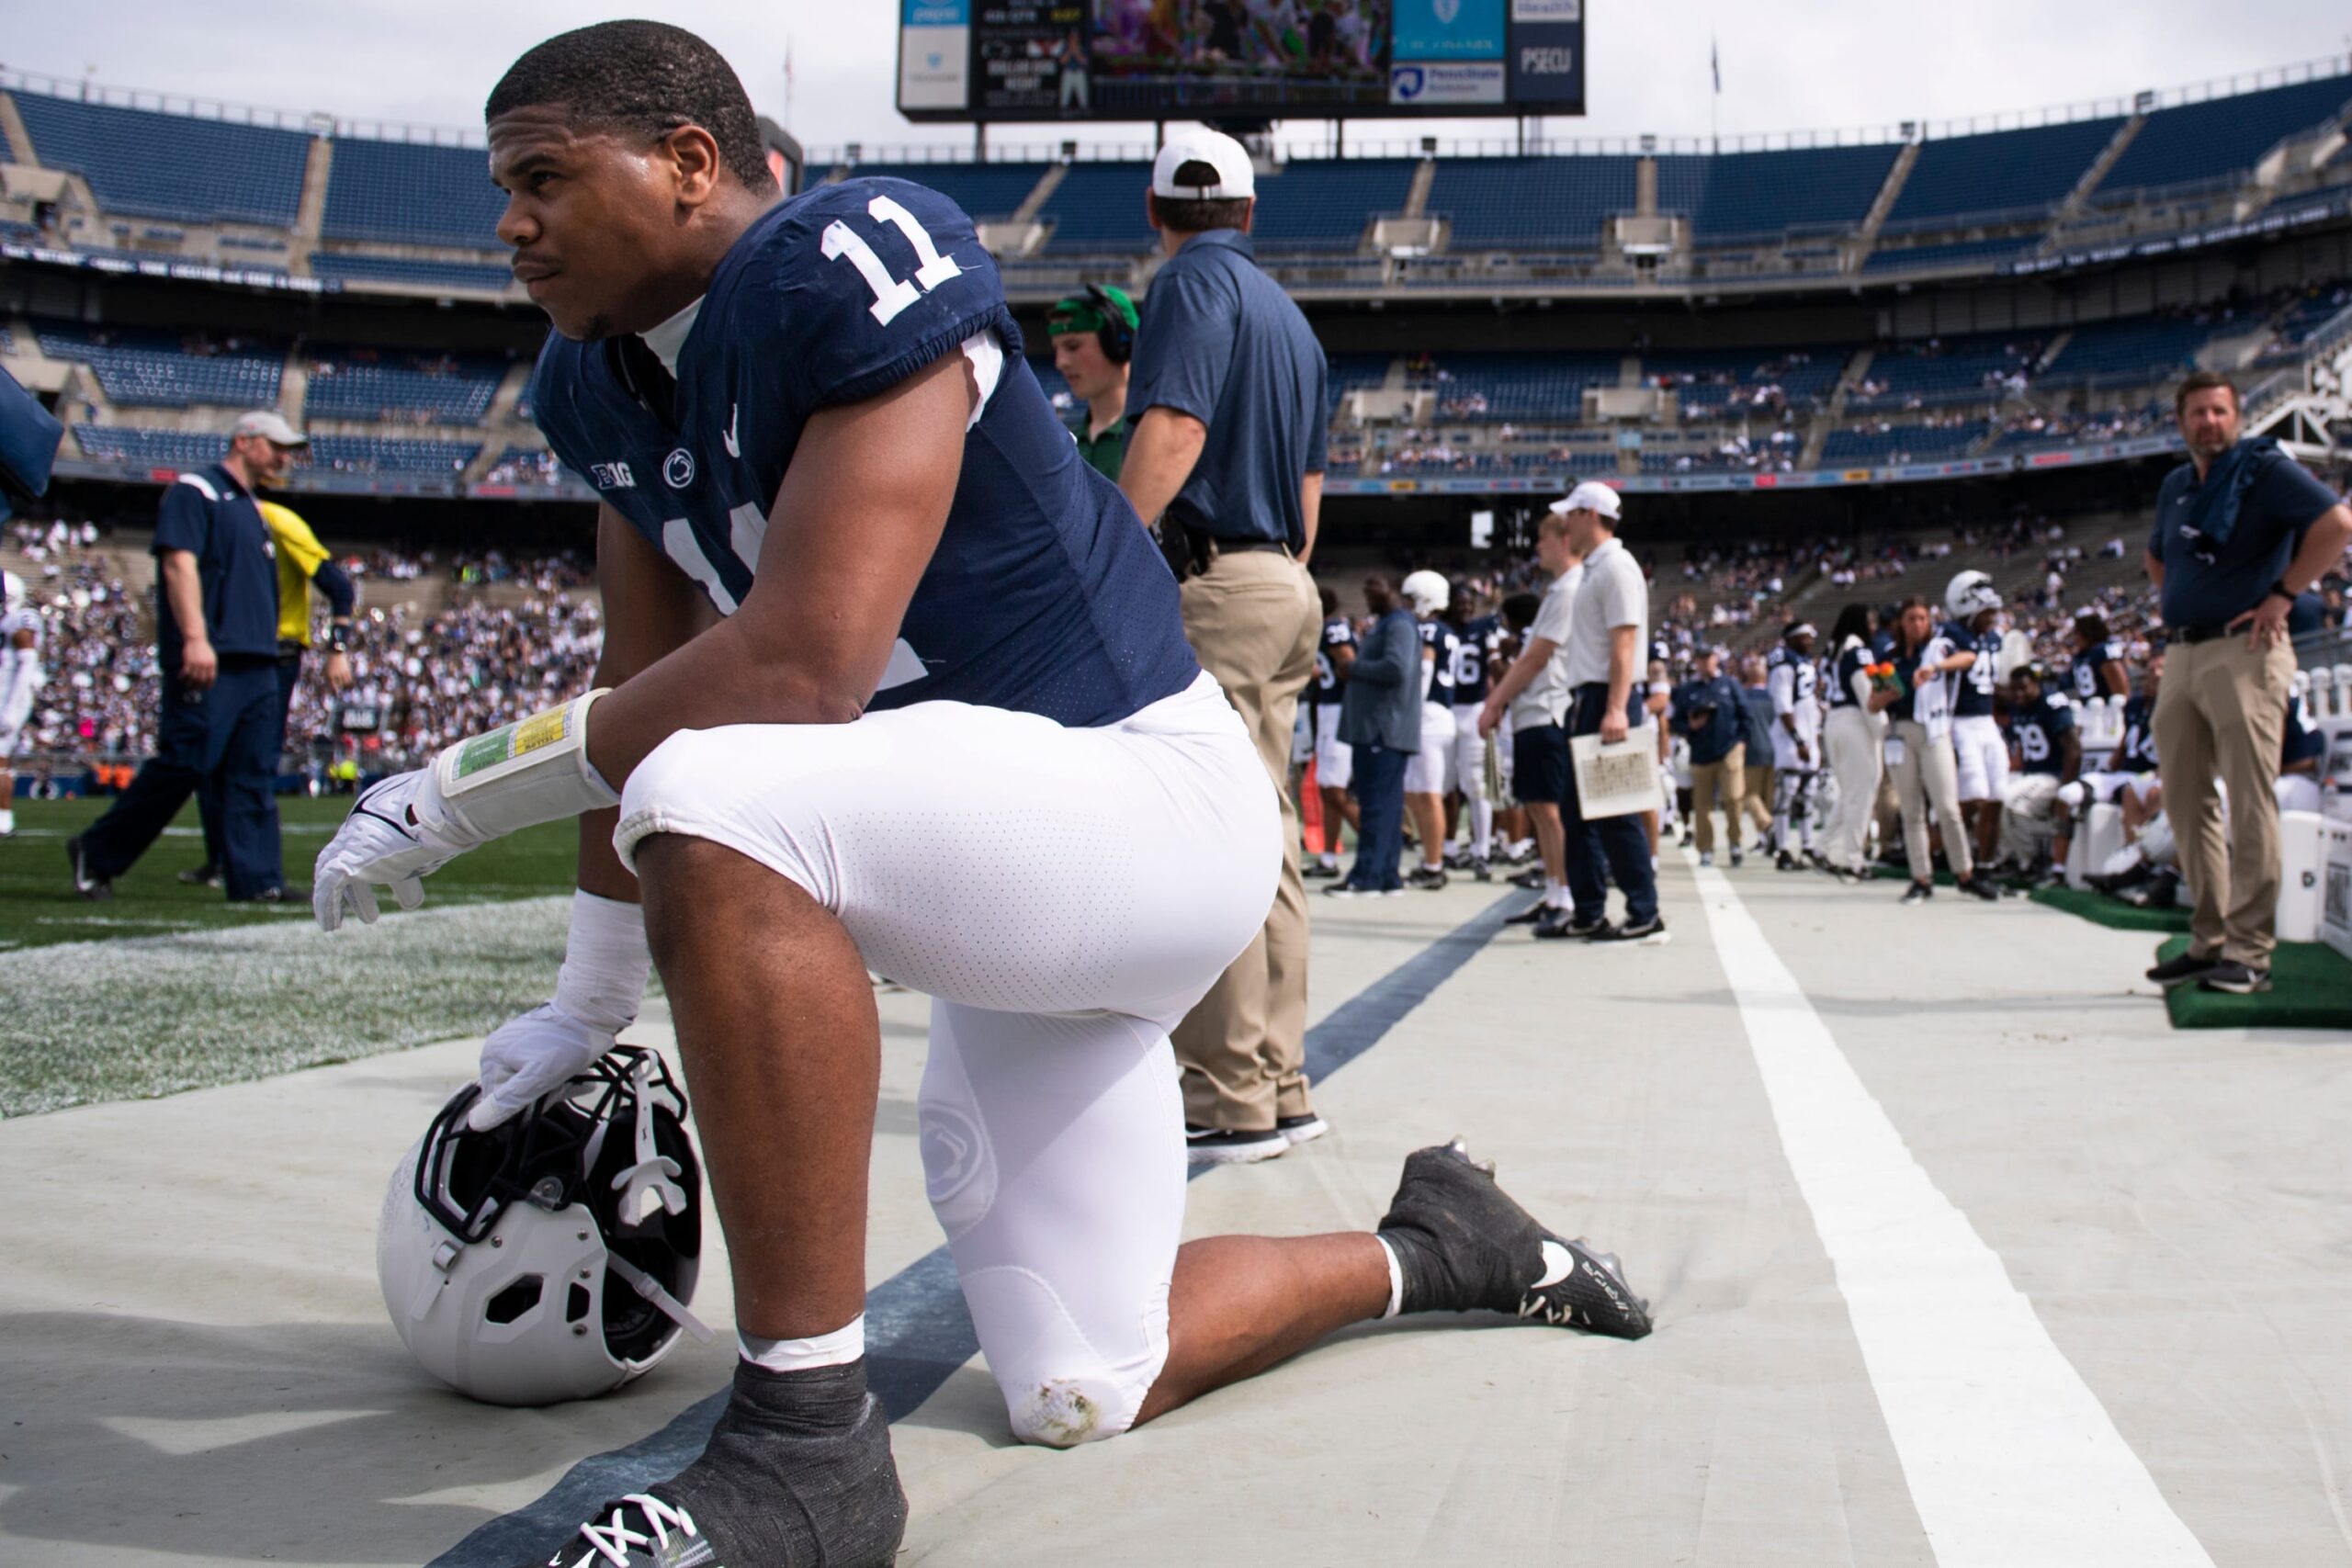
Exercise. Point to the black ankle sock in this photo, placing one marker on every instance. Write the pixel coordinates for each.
(797, 1472)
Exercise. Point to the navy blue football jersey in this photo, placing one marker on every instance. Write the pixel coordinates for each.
(1978, 681)
(1476, 641)
(1445, 642)
(2136, 751)
(1330, 685)
(1044, 595)
(2038, 728)
(1850, 663)
(2085, 670)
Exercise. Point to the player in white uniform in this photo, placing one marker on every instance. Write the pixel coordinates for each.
(888, 672)
(1980, 752)
(1794, 681)
(1429, 773)
(1334, 758)
(20, 677)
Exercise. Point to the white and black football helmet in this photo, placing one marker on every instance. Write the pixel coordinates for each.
(1970, 594)
(551, 1257)
(1427, 592)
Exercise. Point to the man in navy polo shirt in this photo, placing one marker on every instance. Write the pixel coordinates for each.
(1227, 410)
(216, 636)
(2240, 530)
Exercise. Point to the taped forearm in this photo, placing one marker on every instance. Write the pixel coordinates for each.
(605, 963)
(533, 771)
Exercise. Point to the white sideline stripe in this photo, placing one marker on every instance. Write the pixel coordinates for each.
(2011, 1459)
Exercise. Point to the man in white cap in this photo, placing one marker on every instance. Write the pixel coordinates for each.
(1608, 641)
(216, 638)
(1225, 409)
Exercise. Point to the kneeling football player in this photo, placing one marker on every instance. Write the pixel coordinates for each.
(886, 672)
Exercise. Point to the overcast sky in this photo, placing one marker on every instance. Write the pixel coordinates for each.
(1795, 64)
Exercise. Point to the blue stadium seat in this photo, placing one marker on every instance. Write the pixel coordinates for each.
(1797, 190)
(1098, 207)
(2134, 348)
(1711, 378)
(152, 369)
(1516, 386)
(982, 190)
(368, 383)
(1901, 444)
(390, 455)
(1947, 370)
(1527, 201)
(2012, 173)
(2205, 143)
(149, 165)
(346, 268)
(1987, 253)
(1325, 204)
(174, 450)
(410, 193)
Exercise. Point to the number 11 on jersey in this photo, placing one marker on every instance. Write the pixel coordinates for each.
(891, 295)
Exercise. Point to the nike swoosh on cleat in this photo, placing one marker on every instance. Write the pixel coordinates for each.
(1558, 1264)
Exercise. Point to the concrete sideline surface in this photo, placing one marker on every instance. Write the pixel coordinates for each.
(192, 1343)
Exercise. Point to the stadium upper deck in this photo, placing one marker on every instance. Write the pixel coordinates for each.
(1948, 352)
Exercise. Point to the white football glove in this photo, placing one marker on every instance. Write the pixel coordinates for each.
(394, 836)
(532, 1057)
(605, 966)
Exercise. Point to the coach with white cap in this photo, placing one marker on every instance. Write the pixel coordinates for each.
(216, 637)
(1225, 412)
(1608, 642)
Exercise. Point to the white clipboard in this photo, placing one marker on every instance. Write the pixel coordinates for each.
(1617, 781)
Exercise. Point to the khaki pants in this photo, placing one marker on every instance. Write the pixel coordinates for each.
(1728, 778)
(1928, 776)
(2222, 715)
(1253, 621)
(1759, 796)
(1852, 739)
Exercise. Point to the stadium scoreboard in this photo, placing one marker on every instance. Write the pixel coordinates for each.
(978, 61)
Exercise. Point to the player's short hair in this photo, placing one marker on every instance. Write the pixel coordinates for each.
(1551, 525)
(2091, 624)
(641, 78)
(1330, 600)
(1198, 217)
(2202, 381)
(1519, 610)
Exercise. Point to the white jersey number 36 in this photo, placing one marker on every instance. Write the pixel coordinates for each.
(891, 295)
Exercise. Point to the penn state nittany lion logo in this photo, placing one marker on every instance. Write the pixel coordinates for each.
(678, 469)
(1447, 10)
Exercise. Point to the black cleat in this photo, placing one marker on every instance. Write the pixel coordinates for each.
(206, 876)
(2237, 980)
(1651, 933)
(1528, 916)
(1532, 879)
(1427, 878)
(786, 1479)
(1918, 893)
(1785, 861)
(1562, 925)
(2181, 970)
(94, 888)
(1979, 887)
(1463, 1246)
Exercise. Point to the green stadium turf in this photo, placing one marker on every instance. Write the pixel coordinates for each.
(2310, 987)
(165, 986)
(2113, 912)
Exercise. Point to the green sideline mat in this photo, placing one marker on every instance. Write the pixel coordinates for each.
(2310, 987)
(2114, 912)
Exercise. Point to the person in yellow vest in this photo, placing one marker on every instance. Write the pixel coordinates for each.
(303, 569)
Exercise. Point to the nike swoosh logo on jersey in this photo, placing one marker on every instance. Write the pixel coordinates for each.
(1558, 1264)
(734, 413)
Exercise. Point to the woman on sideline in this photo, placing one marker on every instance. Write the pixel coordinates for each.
(1853, 734)
(1380, 718)
(1919, 754)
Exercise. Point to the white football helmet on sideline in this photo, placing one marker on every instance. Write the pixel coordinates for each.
(551, 1257)
(1426, 592)
(1970, 594)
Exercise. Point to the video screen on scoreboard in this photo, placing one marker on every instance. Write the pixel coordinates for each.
(1132, 60)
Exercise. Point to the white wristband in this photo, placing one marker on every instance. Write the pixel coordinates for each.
(605, 963)
(533, 771)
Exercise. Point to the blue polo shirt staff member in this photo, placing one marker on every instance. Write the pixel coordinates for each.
(2240, 530)
(216, 633)
(1225, 413)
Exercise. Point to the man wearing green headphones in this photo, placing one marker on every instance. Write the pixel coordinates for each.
(1094, 335)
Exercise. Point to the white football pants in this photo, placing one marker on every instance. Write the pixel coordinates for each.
(993, 860)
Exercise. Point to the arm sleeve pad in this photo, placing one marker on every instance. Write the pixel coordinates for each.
(533, 771)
